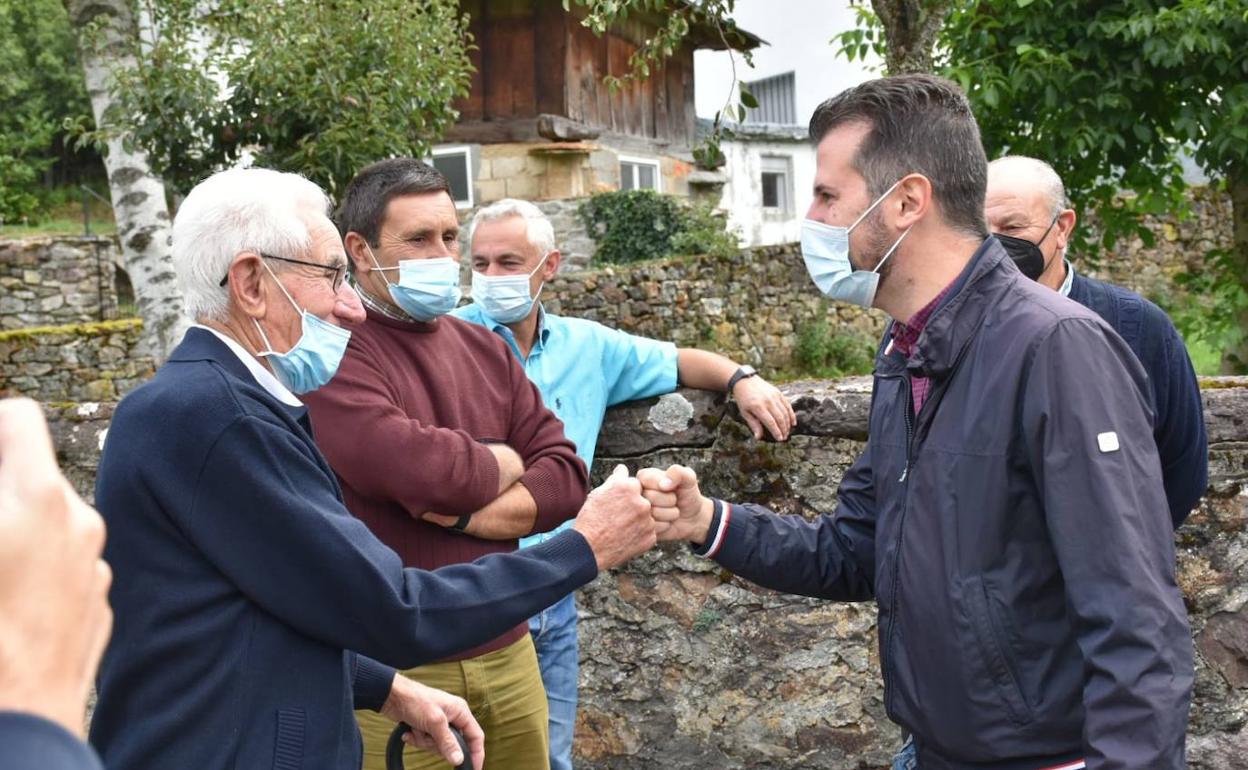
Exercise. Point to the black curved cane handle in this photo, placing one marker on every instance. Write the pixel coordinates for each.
(394, 747)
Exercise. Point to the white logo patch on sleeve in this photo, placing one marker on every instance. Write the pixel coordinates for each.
(1107, 441)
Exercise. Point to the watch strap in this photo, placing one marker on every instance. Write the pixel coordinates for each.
(741, 374)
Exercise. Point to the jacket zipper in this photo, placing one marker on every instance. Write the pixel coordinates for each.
(890, 681)
(933, 396)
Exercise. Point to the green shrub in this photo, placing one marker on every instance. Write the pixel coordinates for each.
(42, 84)
(636, 225)
(1206, 306)
(823, 352)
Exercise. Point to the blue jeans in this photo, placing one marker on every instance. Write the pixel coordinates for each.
(554, 634)
(906, 758)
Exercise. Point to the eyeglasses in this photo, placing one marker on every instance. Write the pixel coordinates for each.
(339, 271)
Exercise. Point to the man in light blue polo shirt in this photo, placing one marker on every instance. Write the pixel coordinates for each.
(581, 368)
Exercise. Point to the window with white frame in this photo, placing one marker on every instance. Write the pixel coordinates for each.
(777, 183)
(639, 174)
(455, 163)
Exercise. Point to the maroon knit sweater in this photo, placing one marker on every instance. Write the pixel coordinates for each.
(403, 421)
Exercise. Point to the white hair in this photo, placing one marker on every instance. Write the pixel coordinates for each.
(1053, 188)
(242, 209)
(541, 233)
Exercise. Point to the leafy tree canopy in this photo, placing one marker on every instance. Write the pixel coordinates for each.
(322, 88)
(1111, 94)
(42, 85)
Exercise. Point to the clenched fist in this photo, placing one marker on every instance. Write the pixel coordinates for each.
(679, 510)
(616, 520)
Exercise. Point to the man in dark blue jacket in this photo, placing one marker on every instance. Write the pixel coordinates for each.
(1027, 209)
(1007, 513)
(251, 607)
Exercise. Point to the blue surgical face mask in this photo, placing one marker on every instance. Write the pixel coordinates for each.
(825, 249)
(427, 288)
(314, 359)
(505, 298)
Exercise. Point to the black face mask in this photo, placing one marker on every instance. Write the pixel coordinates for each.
(1027, 255)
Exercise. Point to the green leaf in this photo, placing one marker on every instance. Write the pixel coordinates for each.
(990, 96)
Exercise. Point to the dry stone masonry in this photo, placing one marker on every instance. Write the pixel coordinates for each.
(53, 281)
(72, 363)
(751, 307)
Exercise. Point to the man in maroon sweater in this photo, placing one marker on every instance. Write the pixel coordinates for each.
(430, 418)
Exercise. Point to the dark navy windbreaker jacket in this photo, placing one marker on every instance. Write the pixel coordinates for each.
(1015, 534)
(1179, 431)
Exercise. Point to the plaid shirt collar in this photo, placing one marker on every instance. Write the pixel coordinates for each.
(906, 335)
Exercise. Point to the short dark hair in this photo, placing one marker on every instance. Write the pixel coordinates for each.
(364, 202)
(919, 124)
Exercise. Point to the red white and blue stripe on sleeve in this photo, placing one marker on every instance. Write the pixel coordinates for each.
(720, 518)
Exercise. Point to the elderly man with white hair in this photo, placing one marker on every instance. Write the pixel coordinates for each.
(1028, 211)
(582, 367)
(251, 607)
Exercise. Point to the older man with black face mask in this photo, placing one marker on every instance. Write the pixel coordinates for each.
(246, 596)
(1028, 211)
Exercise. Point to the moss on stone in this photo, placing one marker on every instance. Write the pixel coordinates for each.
(94, 329)
(1223, 383)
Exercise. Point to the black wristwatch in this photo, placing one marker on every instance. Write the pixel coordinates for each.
(743, 373)
(461, 523)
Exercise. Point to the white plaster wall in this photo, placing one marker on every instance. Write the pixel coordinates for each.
(743, 194)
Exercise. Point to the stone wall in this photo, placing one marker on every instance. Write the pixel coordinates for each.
(1178, 247)
(686, 667)
(75, 362)
(61, 280)
(751, 307)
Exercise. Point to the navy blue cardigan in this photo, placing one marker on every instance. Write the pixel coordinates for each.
(241, 583)
(1179, 423)
(28, 742)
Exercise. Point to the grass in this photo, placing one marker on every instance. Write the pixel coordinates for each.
(64, 219)
(1206, 360)
(56, 227)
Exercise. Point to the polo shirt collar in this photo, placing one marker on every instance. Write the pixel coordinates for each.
(504, 331)
(1069, 281)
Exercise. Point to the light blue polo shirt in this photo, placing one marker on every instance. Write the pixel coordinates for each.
(582, 367)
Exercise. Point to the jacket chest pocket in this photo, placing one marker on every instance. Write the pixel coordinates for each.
(288, 743)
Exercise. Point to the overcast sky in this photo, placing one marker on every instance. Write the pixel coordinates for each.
(799, 32)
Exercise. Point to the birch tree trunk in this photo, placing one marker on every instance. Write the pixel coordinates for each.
(106, 33)
(1235, 360)
(910, 30)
